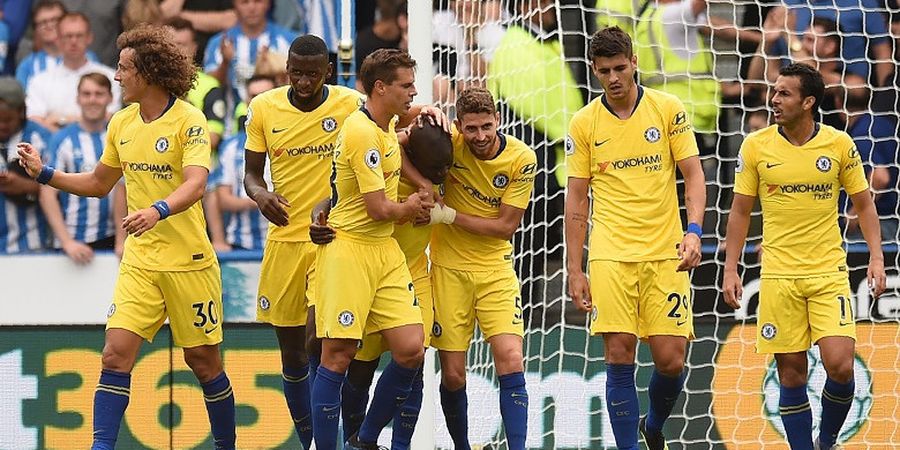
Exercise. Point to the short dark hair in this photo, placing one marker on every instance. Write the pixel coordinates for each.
(48, 4)
(475, 100)
(382, 65)
(180, 23)
(830, 27)
(811, 82)
(256, 78)
(308, 45)
(98, 78)
(609, 42)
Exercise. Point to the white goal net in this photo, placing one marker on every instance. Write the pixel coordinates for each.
(532, 55)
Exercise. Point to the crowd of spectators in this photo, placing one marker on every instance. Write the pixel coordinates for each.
(60, 51)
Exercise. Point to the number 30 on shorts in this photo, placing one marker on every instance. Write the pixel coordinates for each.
(206, 313)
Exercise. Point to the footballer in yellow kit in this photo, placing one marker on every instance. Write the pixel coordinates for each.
(805, 289)
(636, 228)
(167, 271)
(367, 159)
(299, 146)
(473, 275)
(413, 240)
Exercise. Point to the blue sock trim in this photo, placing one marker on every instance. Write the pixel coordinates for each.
(391, 391)
(796, 416)
(455, 405)
(622, 404)
(220, 406)
(514, 409)
(837, 398)
(663, 393)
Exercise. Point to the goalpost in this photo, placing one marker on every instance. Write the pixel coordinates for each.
(731, 393)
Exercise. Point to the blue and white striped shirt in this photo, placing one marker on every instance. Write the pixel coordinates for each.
(22, 226)
(74, 150)
(39, 62)
(245, 229)
(322, 18)
(241, 68)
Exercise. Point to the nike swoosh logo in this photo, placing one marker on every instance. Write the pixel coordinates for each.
(618, 403)
(404, 414)
(276, 130)
(771, 165)
(681, 323)
(597, 144)
(306, 417)
(460, 166)
(516, 394)
(211, 329)
(390, 154)
(121, 142)
(327, 409)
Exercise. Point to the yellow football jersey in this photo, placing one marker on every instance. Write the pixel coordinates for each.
(367, 159)
(413, 240)
(152, 157)
(478, 187)
(798, 189)
(300, 147)
(631, 167)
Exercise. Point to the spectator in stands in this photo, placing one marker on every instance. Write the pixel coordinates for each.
(384, 33)
(673, 57)
(316, 17)
(876, 142)
(81, 224)
(820, 48)
(47, 52)
(22, 226)
(105, 18)
(863, 27)
(465, 36)
(207, 16)
(206, 95)
(756, 120)
(16, 15)
(51, 95)
(142, 11)
(231, 55)
(537, 96)
(247, 226)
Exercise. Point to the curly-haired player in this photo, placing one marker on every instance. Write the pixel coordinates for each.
(169, 269)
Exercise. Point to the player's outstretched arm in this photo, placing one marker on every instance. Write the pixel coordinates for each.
(735, 236)
(871, 230)
(695, 204)
(271, 204)
(96, 183)
(189, 192)
(576, 225)
(381, 208)
(502, 227)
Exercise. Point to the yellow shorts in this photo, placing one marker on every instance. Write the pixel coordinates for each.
(373, 345)
(645, 299)
(362, 288)
(795, 313)
(461, 297)
(191, 300)
(285, 278)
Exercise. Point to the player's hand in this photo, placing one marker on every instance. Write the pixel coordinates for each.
(13, 184)
(424, 217)
(272, 205)
(319, 231)
(733, 288)
(876, 277)
(227, 49)
(78, 252)
(435, 116)
(580, 291)
(221, 246)
(140, 221)
(689, 252)
(29, 159)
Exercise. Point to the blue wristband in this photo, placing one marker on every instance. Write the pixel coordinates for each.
(163, 208)
(695, 228)
(46, 174)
